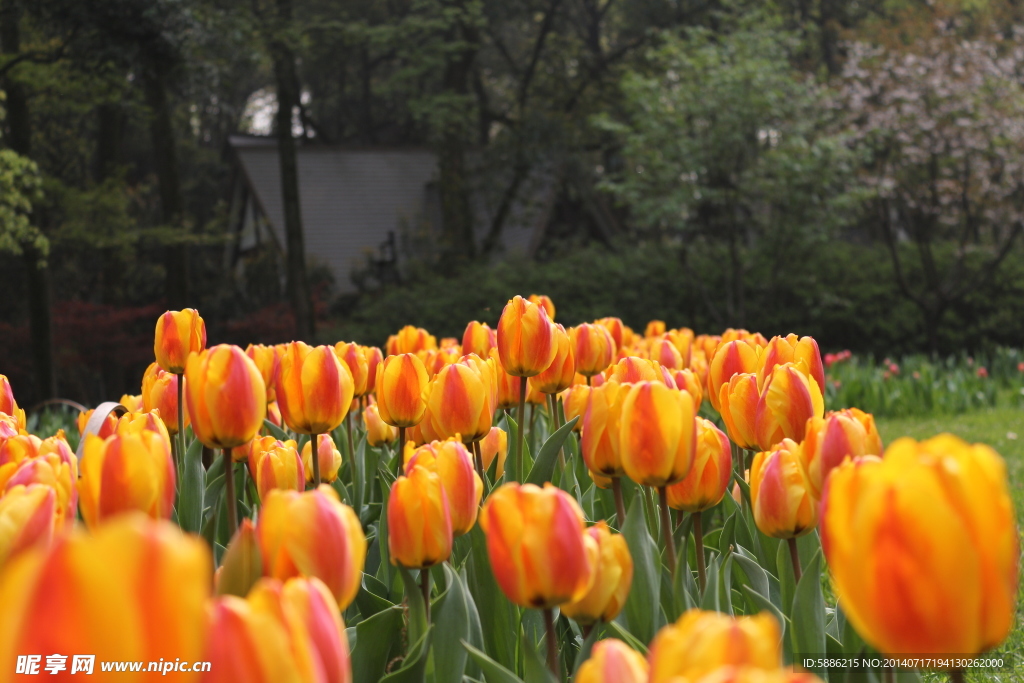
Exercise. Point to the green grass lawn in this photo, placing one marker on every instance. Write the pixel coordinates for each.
(1003, 429)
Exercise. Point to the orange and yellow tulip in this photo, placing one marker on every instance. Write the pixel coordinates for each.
(655, 328)
(314, 388)
(831, 439)
(709, 478)
(657, 434)
(374, 358)
(539, 552)
(789, 398)
(923, 546)
(329, 455)
(462, 485)
(738, 406)
(574, 403)
(479, 338)
(559, 375)
(310, 602)
(494, 445)
(791, 349)
(508, 386)
(378, 432)
(133, 402)
(267, 361)
(687, 380)
(462, 400)
(599, 438)
(613, 575)
(313, 534)
(419, 522)
(729, 359)
(126, 472)
(225, 396)
(411, 340)
(8, 405)
(354, 358)
(545, 302)
(781, 494)
(178, 335)
(616, 329)
(526, 338)
(26, 459)
(593, 347)
(612, 661)
(160, 393)
(633, 369)
(663, 350)
(402, 390)
(28, 518)
(278, 466)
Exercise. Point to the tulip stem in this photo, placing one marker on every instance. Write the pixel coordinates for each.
(666, 528)
(425, 589)
(620, 507)
(401, 443)
(549, 629)
(478, 460)
(315, 453)
(348, 430)
(229, 493)
(956, 676)
(520, 456)
(180, 461)
(698, 539)
(794, 555)
(557, 421)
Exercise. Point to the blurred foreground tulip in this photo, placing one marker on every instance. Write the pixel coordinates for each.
(8, 405)
(831, 439)
(125, 473)
(378, 432)
(329, 455)
(419, 522)
(612, 661)
(923, 547)
(494, 445)
(178, 334)
(463, 486)
(613, 575)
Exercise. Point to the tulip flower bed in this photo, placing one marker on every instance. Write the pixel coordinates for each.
(529, 503)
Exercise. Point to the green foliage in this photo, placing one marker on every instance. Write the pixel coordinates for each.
(20, 185)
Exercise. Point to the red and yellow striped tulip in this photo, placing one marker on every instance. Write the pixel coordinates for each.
(780, 492)
(267, 361)
(132, 402)
(526, 338)
(419, 521)
(599, 437)
(277, 467)
(124, 473)
(329, 455)
(255, 449)
(411, 340)
(314, 388)
(378, 432)
(539, 552)
(462, 485)
(133, 589)
(738, 406)
(313, 534)
(633, 369)
(9, 424)
(729, 359)
(508, 386)
(494, 445)
(616, 329)
(310, 601)
(831, 439)
(545, 302)
(29, 517)
(559, 375)
(178, 335)
(613, 576)
(682, 338)
(612, 661)
(663, 350)
(479, 338)
(755, 339)
(274, 414)
(657, 434)
(700, 642)
(462, 400)
(353, 356)
(574, 403)
(655, 328)
(8, 405)
(593, 347)
(788, 400)
(30, 460)
(791, 349)
(688, 380)
(709, 478)
(374, 359)
(923, 546)
(225, 396)
(402, 390)
(160, 393)
(750, 674)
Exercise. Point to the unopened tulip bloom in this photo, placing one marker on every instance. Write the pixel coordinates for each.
(657, 435)
(354, 357)
(462, 400)
(253, 451)
(313, 534)
(314, 388)
(665, 352)
(788, 400)
(593, 347)
(28, 518)
(633, 369)
(274, 414)
(544, 302)
(526, 338)
(225, 396)
(791, 349)
(616, 329)
(599, 438)
(178, 334)
(831, 439)
(709, 478)
(738, 406)
(160, 393)
(411, 340)
(700, 642)
(126, 472)
(401, 390)
(479, 338)
(655, 328)
(508, 386)
(378, 432)
(539, 552)
(419, 523)
(613, 575)
(559, 375)
(755, 339)
(267, 360)
(278, 467)
(574, 403)
(923, 546)
(330, 458)
(133, 589)
(463, 487)
(781, 494)
(682, 339)
(133, 402)
(688, 380)
(311, 601)
(8, 405)
(612, 661)
(374, 358)
(494, 445)
(730, 358)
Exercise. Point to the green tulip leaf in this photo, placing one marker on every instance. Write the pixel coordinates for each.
(544, 466)
(192, 489)
(493, 672)
(641, 609)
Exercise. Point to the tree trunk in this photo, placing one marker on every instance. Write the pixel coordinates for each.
(161, 132)
(19, 137)
(287, 100)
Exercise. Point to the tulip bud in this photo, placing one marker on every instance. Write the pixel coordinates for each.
(544, 302)
(313, 534)
(508, 386)
(701, 642)
(160, 393)
(593, 347)
(738, 406)
(599, 438)
(616, 329)
(612, 661)
(462, 400)
(178, 334)
(707, 481)
(574, 403)
(241, 567)
(419, 523)
(536, 543)
(791, 349)
(833, 438)
(788, 399)
(28, 518)
(479, 338)
(267, 361)
(665, 352)
(401, 390)
(378, 432)
(132, 589)
(374, 359)
(754, 339)
(559, 375)
(329, 455)
(526, 338)
(133, 403)
(729, 359)
(780, 492)
(923, 546)
(462, 485)
(225, 396)
(657, 434)
(613, 575)
(655, 328)
(314, 388)
(126, 472)
(353, 356)
(495, 444)
(682, 339)
(278, 466)
(687, 380)
(8, 405)
(633, 369)
(411, 340)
